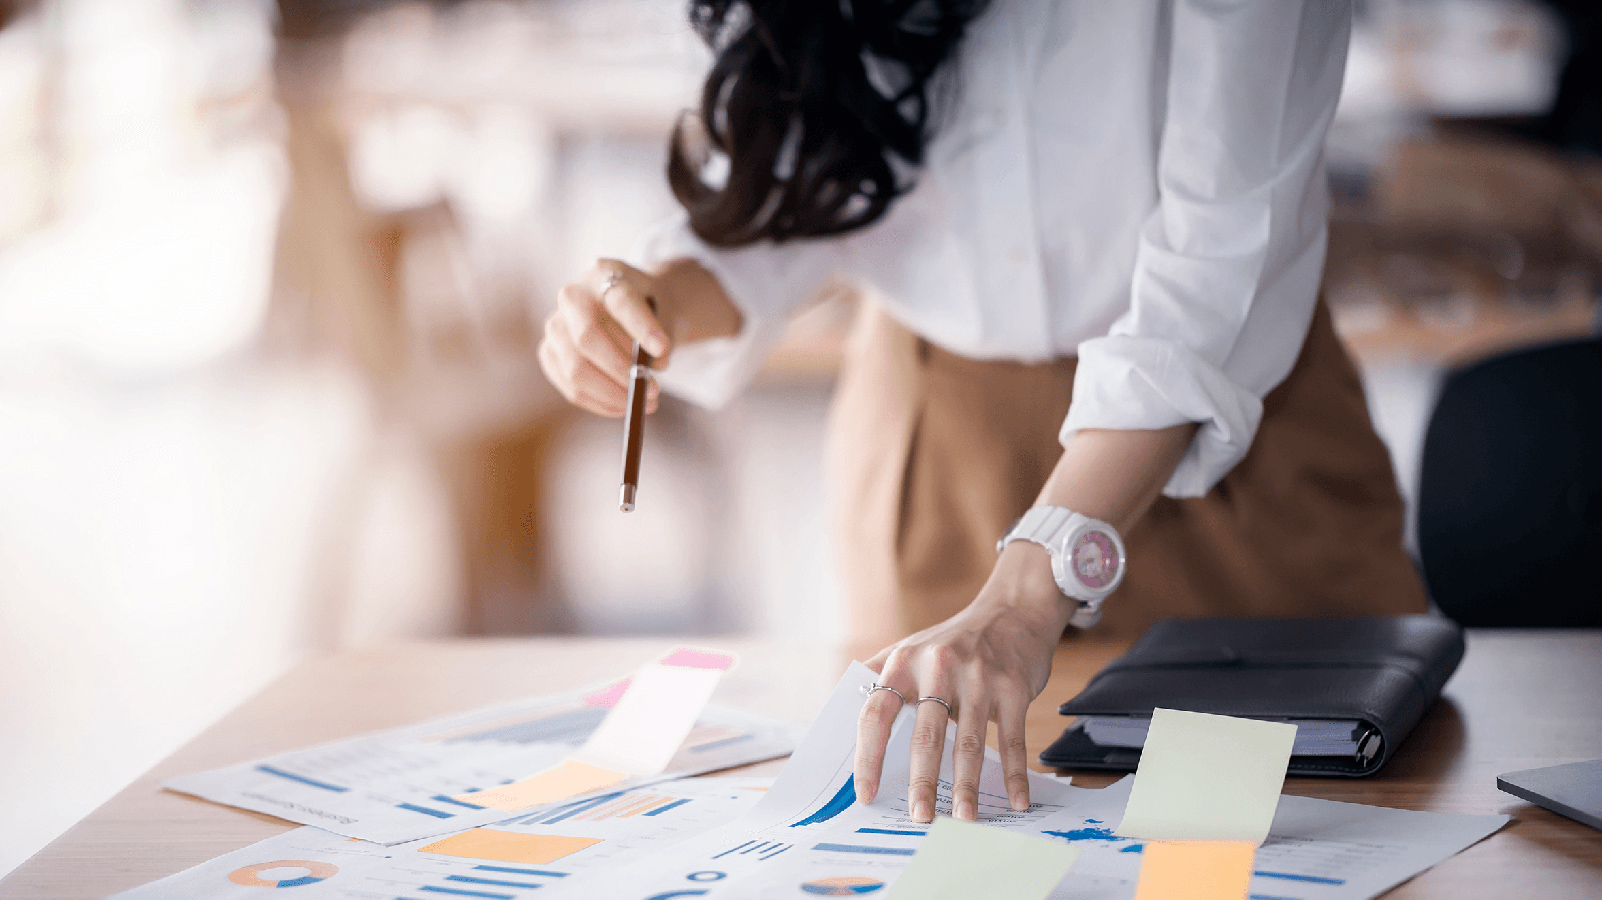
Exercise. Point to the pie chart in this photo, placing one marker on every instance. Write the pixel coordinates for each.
(250, 876)
(843, 886)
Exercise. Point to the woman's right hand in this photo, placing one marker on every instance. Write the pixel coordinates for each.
(587, 350)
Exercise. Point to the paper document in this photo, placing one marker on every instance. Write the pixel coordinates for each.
(1316, 849)
(509, 861)
(1207, 778)
(810, 835)
(416, 782)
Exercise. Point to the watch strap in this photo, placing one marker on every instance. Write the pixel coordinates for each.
(1044, 525)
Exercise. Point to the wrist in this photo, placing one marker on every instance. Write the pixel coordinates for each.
(1022, 579)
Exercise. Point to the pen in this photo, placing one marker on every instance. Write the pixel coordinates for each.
(634, 424)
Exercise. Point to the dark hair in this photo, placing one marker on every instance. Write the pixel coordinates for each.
(810, 101)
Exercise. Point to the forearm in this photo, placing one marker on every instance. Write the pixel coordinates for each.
(1115, 476)
(1110, 475)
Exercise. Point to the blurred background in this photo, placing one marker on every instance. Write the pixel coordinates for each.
(272, 275)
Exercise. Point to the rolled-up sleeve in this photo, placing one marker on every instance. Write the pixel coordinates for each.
(767, 282)
(1228, 262)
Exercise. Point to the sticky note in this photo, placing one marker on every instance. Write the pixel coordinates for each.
(1207, 778)
(652, 718)
(608, 696)
(691, 658)
(1195, 870)
(962, 860)
(509, 846)
(566, 779)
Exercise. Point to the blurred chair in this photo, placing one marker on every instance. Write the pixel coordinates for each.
(1510, 499)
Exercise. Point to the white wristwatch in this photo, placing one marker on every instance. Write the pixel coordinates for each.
(1087, 556)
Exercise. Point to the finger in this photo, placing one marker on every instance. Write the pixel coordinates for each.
(625, 300)
(550, 364)
(880, 658)
(968, 758)
(598, 393)
(1014, 757)
(928, 745)
(878, 716)
(577, 378)
(597, 337)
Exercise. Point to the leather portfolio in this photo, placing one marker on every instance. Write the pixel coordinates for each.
(1354, 687)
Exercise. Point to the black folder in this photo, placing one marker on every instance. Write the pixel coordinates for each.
(1377, 675)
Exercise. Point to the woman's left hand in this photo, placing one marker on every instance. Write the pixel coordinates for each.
(988, 661)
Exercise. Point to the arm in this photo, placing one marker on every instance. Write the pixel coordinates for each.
(996, 654)
(1223, 287)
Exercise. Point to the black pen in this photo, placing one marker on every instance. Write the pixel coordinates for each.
(634, 424)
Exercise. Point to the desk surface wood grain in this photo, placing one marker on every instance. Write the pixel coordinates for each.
(1519, 701)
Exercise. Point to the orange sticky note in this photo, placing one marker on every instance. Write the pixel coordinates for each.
(509, 846)
(1195, 870)
(569, 779)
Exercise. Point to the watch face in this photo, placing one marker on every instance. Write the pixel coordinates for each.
(1095, 559)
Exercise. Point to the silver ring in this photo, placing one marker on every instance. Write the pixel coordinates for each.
(868, 689)
(612, 278)
(949, 713)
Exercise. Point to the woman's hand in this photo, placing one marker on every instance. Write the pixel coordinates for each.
(588, 348)
(988, 661)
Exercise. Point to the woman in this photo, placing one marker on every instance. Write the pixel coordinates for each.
(1092, 236)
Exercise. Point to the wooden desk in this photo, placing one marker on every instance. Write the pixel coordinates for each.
(1520, 700)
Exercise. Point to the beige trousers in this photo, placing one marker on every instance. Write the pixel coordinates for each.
(933, 455)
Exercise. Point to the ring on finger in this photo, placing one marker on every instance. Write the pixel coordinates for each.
(868, 689)
(612, 278)
(949, 712)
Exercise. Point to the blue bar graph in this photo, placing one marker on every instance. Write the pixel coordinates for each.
(571, 810)
(1292, 876)
(541, 872)
(444, 799)
(271, 770)
(662, 809)
(859, 848)
(891, 831)
(496, 882)
(457, 893)
(438, 814)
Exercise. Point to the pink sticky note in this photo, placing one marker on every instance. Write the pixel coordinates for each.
(691, 658)
(607, 697)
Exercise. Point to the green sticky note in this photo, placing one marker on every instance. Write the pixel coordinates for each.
(1207, 778)
(961, 861)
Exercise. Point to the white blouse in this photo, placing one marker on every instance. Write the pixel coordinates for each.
(1139, 183)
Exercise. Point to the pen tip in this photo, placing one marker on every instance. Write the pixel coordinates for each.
(625, 500)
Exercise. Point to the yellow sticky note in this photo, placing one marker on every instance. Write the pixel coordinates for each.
(1195, 870)
(509, 846)
(568, 779)
(962, 860)
(1207, 778)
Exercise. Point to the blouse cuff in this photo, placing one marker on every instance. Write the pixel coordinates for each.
(709, 373)
(1124, 382)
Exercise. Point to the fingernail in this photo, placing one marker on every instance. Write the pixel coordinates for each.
(965, 811)
(655, 344)
(1020, 803)
(922, 811)
(865, 795)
